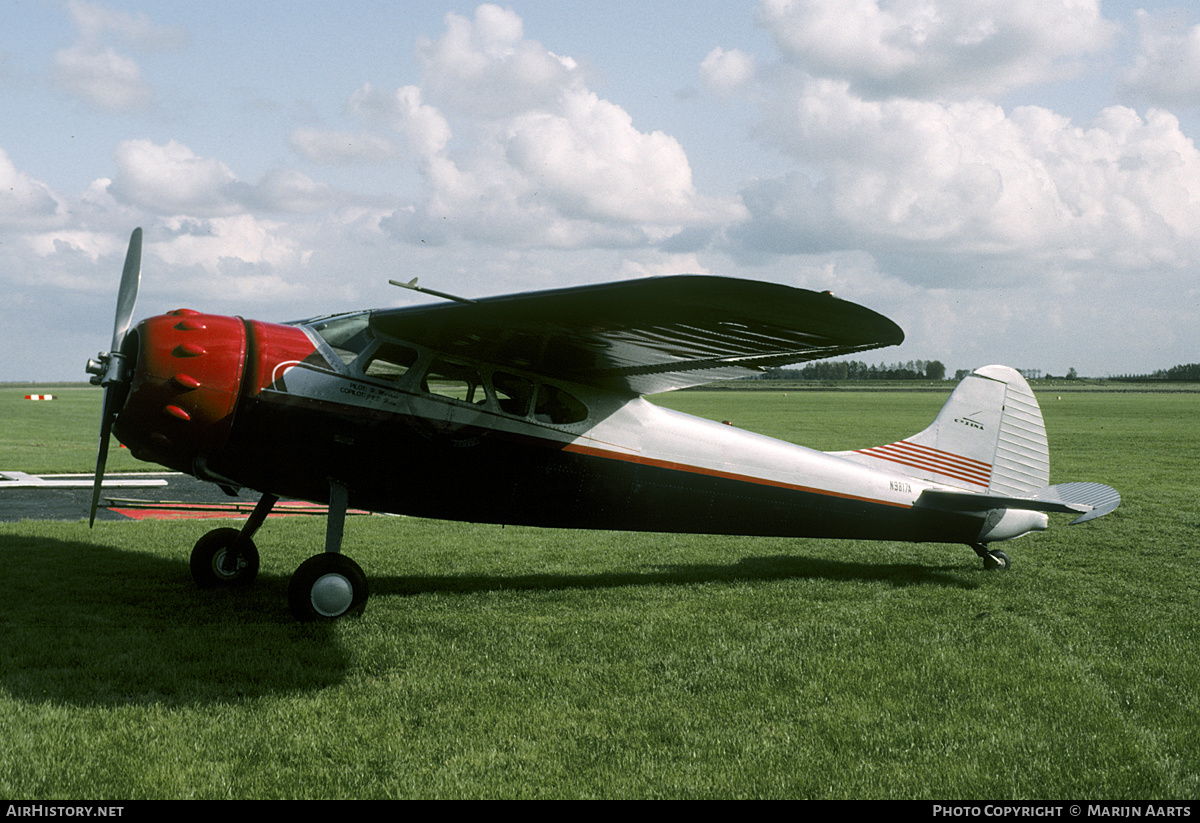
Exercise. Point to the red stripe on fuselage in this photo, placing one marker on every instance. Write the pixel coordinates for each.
(592, 451)
(945, 463)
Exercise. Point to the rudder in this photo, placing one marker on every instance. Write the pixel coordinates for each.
(989, 437)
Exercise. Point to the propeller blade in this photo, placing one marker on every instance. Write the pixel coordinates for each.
(107, 415)
(110, 369)
(131, 277)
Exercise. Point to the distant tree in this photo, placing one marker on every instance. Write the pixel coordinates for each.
(961, 374)
(1190, 371)
(1072, 374)
(935, 370)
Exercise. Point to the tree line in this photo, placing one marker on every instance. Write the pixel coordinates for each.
(1189, 372)
(935, 370)
(858, 370)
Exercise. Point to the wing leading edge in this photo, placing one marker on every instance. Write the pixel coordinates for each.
(646, 336)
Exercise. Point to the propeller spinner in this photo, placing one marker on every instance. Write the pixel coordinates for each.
(110, 369)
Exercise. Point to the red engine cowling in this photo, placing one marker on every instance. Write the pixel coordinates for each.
(186, 380)
(190, 369)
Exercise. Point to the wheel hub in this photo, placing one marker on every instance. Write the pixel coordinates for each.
(332, 595)
(225, 569)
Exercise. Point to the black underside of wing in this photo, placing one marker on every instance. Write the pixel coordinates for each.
(646, 336)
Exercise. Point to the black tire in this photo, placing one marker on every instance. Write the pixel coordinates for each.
(326, 587)
(208, 558)
(997, 560)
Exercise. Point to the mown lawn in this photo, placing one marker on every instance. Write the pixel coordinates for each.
(515, 662)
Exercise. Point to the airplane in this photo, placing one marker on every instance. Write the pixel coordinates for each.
(531, 409)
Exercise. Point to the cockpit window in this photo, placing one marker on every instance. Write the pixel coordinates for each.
(347, 336)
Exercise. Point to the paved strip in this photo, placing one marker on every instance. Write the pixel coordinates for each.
(68, 502)
(178, 510)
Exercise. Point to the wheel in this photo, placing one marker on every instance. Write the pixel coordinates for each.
(326, 587)
(209, 555)
(996, 559)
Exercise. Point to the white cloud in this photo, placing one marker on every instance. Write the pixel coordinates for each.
(287, 190)
(90, 243)
(591, 162)
(486, 66)
(970, 179)
(934, 47)
(137, 30)
(725, 72)
(102, 77)
(94, 71)
(513, 148)
(24, 202)
(227, 245)
(343, 147)
(171, 179)
(403, 111)
(1167, 66)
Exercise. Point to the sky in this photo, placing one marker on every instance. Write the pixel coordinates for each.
(1011, 181)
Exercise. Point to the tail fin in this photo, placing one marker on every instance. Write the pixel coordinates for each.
(988, 438)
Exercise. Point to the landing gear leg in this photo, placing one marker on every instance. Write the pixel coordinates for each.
(228, 556)
(329, 585)
(992, 558)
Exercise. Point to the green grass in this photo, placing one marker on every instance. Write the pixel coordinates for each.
(515, 662)
(54, 436)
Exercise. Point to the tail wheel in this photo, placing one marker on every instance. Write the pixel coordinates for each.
(996, 559)
(211, 558)
(326, 587)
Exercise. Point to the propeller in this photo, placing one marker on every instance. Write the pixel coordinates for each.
(109, 369)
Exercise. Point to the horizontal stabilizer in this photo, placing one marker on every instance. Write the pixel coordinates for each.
(950, 501)
(1089, 500)
(1102, 499)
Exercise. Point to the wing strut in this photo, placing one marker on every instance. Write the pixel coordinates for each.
(412, 284)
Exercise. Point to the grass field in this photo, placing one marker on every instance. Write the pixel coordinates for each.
(513, 662)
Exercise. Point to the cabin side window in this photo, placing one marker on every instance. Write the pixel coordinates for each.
(454, 380)
(390, 362)
(509, 393)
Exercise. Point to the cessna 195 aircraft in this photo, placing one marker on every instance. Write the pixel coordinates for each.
(529, 409)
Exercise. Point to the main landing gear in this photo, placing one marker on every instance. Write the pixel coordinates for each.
(325, 587)
(993, 559)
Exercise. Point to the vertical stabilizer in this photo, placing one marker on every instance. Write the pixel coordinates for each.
(989, 437)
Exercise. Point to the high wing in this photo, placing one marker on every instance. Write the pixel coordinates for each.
(646, 336)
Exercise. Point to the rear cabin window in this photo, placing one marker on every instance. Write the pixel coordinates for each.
(514, 394)
(556, 406)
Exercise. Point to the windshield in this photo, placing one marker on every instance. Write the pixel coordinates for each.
(347, 335)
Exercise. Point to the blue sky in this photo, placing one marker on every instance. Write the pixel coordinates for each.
(1012, 181)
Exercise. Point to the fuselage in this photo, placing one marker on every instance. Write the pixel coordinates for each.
(286, 409)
